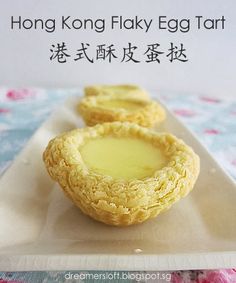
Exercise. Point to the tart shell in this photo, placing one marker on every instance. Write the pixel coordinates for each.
(148, 115)
(116, 201)
(117, 90)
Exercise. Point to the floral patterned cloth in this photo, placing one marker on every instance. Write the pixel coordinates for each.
(213, 120)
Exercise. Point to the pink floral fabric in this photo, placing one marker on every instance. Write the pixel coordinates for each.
(205, 276)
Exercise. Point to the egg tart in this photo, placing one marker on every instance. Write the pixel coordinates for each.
(120, 91)
(101, 109)
(121, 173)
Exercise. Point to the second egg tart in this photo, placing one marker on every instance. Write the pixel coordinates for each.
(100, 109)
(121, 173)
(117, 90)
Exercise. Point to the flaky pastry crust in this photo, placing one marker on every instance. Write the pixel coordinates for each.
(116, 201)
(149, 113)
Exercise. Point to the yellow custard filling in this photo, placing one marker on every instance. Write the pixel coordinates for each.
(121, 104)
(119, 89)
(122, 158)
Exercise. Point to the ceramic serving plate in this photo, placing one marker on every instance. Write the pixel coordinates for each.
(40, 229)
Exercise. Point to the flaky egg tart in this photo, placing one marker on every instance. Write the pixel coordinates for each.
(121, 173)
(101, 109)
(123, 91)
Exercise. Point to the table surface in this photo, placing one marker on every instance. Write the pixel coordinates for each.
(213, 121)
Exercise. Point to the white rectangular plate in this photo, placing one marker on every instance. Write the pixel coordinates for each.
(40, 229)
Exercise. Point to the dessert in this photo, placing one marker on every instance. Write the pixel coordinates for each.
(104, 108)
(120, 91)
(121, 173)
